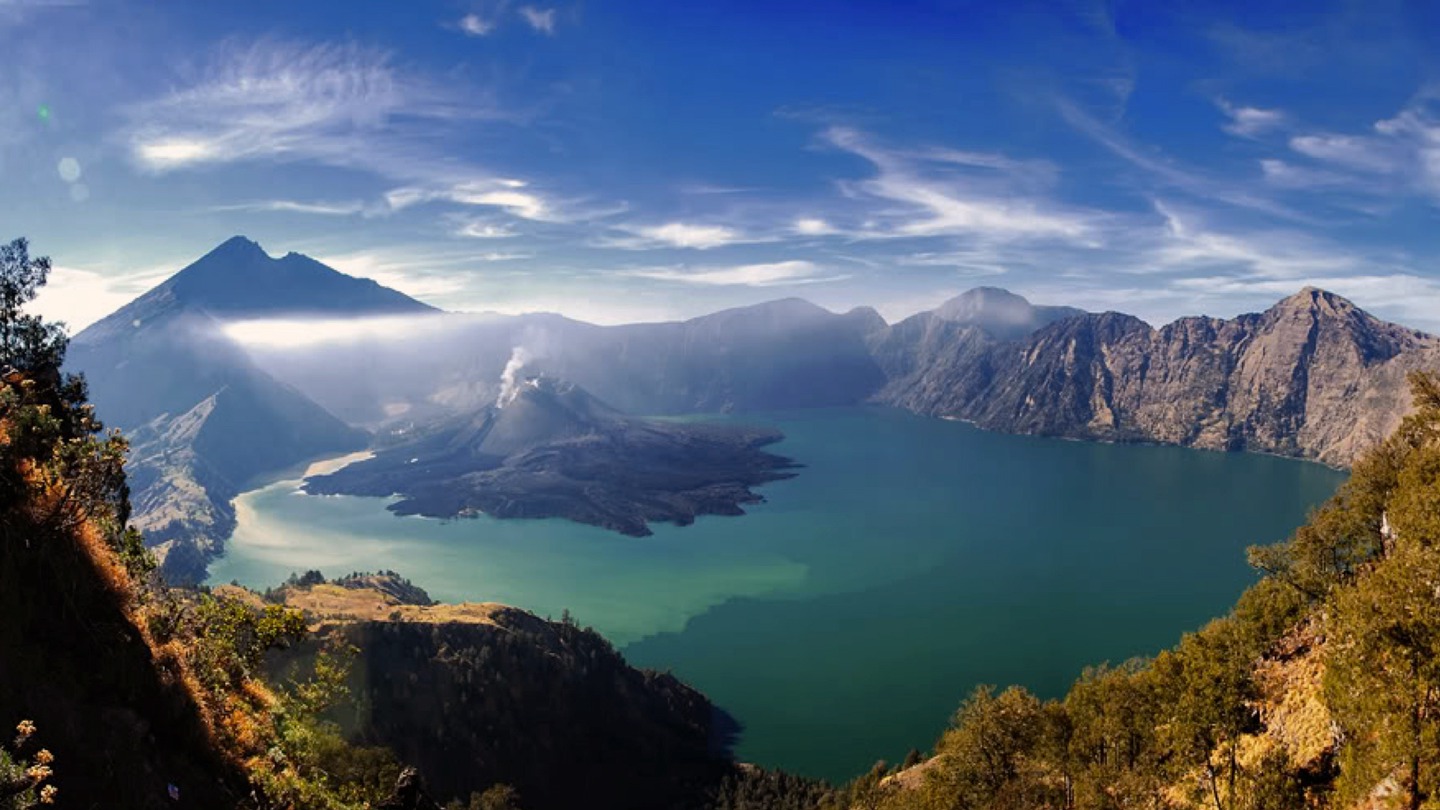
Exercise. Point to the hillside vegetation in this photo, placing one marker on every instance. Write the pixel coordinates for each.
(1320, 689)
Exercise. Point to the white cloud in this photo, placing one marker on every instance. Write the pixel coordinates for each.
(680, 235)
(1347, 151)
(1250, 122)
(1398, 155)
(493, 193)
(479, 229)
(276, 101)
(475, 26)
(542, 20)
(415, 272)
(813, 226)
(168, 152)
(992, 203)
(80, 297)
(1273, 255)
(337, 105)
(283, 333)
(749, 275)
(298, 207)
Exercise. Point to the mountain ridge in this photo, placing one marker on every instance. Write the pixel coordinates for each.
(1313, 376)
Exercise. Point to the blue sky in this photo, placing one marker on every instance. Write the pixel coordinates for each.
(623, 160)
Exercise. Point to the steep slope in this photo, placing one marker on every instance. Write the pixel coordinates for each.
(1314, 376)
(480, 694)
(205, 418)
(549, 449)
(75, 655)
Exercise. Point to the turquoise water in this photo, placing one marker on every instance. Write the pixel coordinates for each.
(843, 620)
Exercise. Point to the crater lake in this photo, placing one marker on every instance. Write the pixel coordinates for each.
(843, 619)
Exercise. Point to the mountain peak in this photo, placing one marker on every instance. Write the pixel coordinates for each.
(1000, 312)
(238, 245)
(1316, 300)
(238, 279)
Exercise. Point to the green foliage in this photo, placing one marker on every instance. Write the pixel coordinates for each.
(1383, 678)
(229, 639)
(27, 343)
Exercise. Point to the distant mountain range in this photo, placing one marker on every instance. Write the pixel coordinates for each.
(1313, 377)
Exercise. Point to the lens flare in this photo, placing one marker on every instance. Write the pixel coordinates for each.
(69, 169)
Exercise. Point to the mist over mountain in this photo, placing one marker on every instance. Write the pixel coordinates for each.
(776, 355)
(211, 411)
(204, 417)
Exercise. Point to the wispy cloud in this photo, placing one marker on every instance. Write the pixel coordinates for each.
(981, 195)
(418, 271)
(298, 207)
(813, 226)
(677, 235)
(773, 274)
(1283, 174)
(1169, 172)
(507, 194)
(482, 229)
(1397, 154)
(336, 105)
(280, 101)
(1250, 122)
(542, 20)
(476, 26)
(1281, 255)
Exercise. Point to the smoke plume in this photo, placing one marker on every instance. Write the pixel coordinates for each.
(509, 386)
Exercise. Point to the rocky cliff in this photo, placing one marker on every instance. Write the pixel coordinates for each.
(1314, 376)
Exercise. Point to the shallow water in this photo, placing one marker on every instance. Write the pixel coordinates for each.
(844, 619)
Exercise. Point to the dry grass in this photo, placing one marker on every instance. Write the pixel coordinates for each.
(329, 604)
(1292, 704)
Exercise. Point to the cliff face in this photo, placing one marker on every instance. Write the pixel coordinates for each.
(481, 694)
(1314, 376)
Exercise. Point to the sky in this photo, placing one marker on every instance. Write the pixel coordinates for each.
(622, 160)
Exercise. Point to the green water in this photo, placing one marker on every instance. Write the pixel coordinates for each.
(843, 620)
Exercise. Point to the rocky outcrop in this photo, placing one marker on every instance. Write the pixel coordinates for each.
(1314, 377)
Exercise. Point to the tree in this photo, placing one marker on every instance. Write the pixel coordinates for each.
(1209, 689)
(990, 753)
(27, 342)
(1383, 678)
(1383, 675)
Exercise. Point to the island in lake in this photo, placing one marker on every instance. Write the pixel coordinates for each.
(547, 448)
